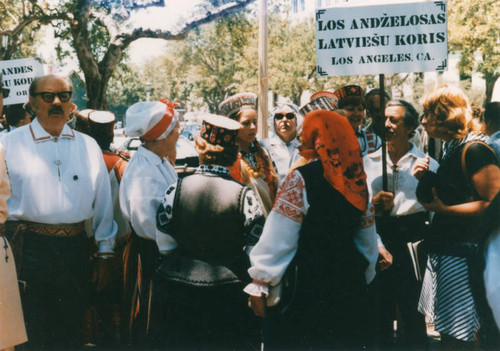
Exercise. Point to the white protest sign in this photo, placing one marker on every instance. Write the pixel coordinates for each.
(17, 76)
(359, 40)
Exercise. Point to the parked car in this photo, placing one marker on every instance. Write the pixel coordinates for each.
(190, 130)
(186, 153)
(119, 138)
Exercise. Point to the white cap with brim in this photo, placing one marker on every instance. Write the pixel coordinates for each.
(219, 130)
(150, 120)
(101, 117)
(86, 112)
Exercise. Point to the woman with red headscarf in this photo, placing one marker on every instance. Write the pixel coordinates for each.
(313, 224)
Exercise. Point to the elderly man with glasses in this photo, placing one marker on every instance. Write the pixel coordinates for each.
(282, 146)
(58, 181)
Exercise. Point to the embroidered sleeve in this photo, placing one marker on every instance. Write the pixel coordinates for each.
(165, 211)
(290, 199)
(254, 218)
(368, 218)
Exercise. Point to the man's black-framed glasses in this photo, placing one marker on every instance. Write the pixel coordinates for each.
(289, 115)
(5, 93)
(48, 96)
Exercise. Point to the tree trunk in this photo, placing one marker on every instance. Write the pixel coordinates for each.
(13, 43)
(96, 94)
(297, 96)
(490, 79)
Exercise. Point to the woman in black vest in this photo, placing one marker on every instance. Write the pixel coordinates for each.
(310, 234)
(198, 302)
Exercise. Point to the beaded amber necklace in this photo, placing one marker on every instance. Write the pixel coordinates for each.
(259, 167)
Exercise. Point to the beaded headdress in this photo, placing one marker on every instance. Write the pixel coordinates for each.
(348, 90)
(330, 96)
(320, 103)
(238, 102)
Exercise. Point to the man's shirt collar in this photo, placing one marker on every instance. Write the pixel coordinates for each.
(413, 152)
(39, 134)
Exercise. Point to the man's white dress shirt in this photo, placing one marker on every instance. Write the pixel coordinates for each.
(400, 181)
(59, 180)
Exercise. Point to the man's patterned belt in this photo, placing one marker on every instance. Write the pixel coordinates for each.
(72, 229)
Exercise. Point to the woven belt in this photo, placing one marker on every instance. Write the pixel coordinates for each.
(67, 230)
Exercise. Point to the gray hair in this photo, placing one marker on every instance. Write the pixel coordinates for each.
(410, 118)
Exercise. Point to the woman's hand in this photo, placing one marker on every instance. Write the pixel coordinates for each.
(383, 201)
(258, 304)
(436, 205)
(420, 167)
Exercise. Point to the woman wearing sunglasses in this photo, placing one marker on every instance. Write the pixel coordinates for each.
(282, 147)
(253, 166)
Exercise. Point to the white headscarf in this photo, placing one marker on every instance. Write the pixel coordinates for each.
(279, 107)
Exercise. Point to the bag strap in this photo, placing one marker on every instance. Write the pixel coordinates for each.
(464, 166)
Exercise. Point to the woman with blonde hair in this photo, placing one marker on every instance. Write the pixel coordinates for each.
(465, 183)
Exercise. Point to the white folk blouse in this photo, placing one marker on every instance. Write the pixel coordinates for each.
(142, 188)
(278, 243)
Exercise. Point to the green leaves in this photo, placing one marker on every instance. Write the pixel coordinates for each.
(474, 32)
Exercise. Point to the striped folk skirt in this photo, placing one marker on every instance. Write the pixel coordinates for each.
(446, 297)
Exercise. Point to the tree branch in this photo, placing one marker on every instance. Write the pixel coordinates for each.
(221, 11)
(107, 22)
(42, 18)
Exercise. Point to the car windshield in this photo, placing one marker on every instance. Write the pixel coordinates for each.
(185, 148)
(191, 130)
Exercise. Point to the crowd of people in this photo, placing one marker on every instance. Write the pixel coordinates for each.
(318, 237)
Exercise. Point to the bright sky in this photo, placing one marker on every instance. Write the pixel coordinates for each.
(174, 12)
(166, 17)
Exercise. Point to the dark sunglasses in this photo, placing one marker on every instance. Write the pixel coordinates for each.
(288, 116)
(47, 96)
(5, 93)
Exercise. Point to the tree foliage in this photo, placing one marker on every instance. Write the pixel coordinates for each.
(20, 22)
(474, 30)
(100, 35)
(292, 62)
(209, 65)
(205, 64)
